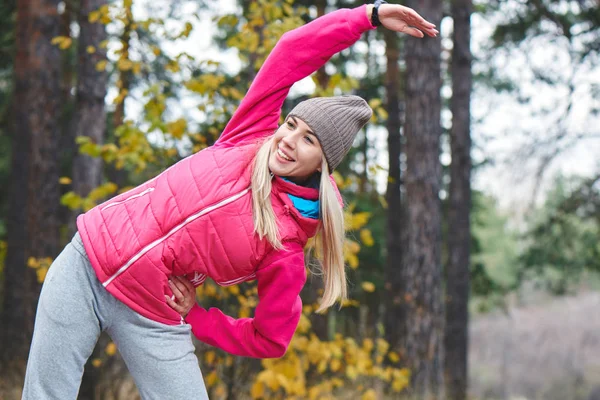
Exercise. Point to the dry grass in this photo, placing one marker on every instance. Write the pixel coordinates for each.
(549, 351)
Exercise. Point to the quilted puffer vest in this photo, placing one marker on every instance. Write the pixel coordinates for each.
(193, 219)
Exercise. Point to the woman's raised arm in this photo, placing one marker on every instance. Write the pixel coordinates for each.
(302, 51)
(298, 53)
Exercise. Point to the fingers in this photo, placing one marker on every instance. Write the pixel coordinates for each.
(184, 295)
(406, 20)
(180, 308)
(187, 283)
(178, 289)
(413, 32)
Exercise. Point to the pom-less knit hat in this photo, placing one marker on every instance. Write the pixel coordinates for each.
(335, 121)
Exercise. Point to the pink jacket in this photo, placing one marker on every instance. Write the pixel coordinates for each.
(195, 218)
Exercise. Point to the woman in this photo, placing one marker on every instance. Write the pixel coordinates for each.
(240, 210)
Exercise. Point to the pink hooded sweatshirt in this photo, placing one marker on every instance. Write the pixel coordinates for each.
(195, 218)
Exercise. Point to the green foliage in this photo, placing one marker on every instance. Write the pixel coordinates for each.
(494, 255)
(564, 236)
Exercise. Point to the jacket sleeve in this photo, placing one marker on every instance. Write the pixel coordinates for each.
(297, 54)
(267, 335)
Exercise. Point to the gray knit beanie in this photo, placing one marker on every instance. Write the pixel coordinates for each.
(335, 121)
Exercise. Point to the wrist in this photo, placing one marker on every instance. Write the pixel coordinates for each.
(369, 11)
(374, 17)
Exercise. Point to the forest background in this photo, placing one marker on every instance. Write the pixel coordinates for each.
(473, 201)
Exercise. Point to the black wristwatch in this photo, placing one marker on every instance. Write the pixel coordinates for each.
(374, 15)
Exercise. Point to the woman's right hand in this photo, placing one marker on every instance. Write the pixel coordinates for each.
(406, 20)
(184, 295)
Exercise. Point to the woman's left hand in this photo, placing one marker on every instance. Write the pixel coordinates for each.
(406, 20)
(184, 295)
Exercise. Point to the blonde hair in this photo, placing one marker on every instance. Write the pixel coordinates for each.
(330, 232)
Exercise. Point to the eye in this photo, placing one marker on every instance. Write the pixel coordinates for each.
(290, 124)
(309, 139)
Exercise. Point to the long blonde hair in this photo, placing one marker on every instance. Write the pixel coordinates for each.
(330, 231)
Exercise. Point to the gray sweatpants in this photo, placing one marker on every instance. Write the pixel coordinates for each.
(74, 308)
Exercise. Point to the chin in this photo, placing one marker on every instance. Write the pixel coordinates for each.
(275, 169)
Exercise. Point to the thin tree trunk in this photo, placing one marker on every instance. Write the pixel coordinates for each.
(67, 99)
(33, 221)
(90, 117)
(459, 239)
(422, 294)
(394, 313)
(119, 176)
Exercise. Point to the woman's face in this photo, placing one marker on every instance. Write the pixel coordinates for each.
(296, 153)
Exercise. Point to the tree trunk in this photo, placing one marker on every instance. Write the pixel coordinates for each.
(393, 287)
(119, 176)
(422, 292)
(89, 118)
(33, 222)
(67, 100)
(457, 271)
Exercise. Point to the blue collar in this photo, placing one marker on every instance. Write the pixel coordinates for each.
(307, 207)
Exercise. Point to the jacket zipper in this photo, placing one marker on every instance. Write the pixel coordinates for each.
(127, 199)
(189, 219)
(237, 280)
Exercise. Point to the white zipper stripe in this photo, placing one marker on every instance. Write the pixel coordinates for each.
(127, 199)
(172, 231)
(237, 280)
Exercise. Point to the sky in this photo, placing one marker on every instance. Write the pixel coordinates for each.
(504, 126)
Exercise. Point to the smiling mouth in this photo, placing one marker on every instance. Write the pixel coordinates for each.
(282, 155)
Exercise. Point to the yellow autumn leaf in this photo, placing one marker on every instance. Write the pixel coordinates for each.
(173, 67)
(368, 344)
(90, 49)
(124, 64)
(33, 262)
(352, 260)
(322, 366)
(258, 390)
(368, 287)
(351, 372)
(209, 357)
(101, 65)
(63, 42)
(64, 180)
(93, 16)
(399, 384)
(211, 379)
(369, 395)
(220, 391)
(177, 128)
(244, 312)
(111, 349)
(137, 68)
(366, 237)
(394, 357)
(228, 361)
(336, 364)
(41, 274)
(96, 362)
(357, 220)
(382, 346)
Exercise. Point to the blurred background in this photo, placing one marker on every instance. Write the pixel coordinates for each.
(473, 196)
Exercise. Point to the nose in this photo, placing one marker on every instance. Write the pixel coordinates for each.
(289, 140)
